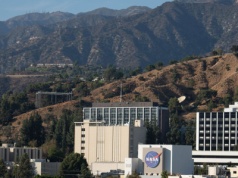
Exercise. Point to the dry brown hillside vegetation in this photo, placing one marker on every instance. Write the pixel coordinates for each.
(185, 78)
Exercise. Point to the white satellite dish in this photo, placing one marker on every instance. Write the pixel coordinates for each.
(181, 99)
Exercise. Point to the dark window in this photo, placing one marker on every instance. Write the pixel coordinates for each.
(201, 114)
(82, 141)
(83, 129)
(82, 148)
(83, 135)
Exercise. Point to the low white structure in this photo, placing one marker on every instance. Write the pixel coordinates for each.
(153, 159)
(45, 168)
(233, 172)
(215, 157)
(197, 176)
(98, 168)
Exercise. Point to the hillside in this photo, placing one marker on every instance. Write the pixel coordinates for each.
(169, 32)
(185, 78)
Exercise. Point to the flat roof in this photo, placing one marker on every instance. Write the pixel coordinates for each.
(125, 104)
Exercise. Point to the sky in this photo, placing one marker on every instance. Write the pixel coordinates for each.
(12, 8)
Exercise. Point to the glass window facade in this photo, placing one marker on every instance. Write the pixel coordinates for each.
(121, 115)
(217, 131)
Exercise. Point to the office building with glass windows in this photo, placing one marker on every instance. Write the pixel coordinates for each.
(121, 113)
(217, 137)
(216, 131)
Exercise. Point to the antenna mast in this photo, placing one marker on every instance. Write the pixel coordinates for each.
(121, 94)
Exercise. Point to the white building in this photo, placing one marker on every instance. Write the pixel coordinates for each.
(217, 136)
(153, 159)
(215, 157)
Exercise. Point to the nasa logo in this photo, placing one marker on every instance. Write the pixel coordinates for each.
(152, 159)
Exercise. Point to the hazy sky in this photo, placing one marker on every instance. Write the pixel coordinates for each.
(11, 8)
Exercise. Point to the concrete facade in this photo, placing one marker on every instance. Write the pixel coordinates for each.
(103, 143)
(217, 137)
(215, 157)
(217, 131)
(175, 159)
(233, 172)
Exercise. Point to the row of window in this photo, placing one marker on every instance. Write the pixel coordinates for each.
(218, 115)
(120, 116)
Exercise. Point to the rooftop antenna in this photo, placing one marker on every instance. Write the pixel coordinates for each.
(121, 93)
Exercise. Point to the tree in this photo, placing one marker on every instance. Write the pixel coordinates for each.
(164, 174)
(150, 67)
(33, 131)
(112, 73)
(174, 106)
(55, 155)
(137, 71)
(25, 169)
(234, 49)
(153, 134)
(85, 172)
(73, 165)
(174, 135)
(3, 168)
(190, 133)
(235, 97)
(211, 105)
(133, 175)
(64, 131)
(83, 89)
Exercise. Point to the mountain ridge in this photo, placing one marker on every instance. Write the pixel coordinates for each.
(169, 32)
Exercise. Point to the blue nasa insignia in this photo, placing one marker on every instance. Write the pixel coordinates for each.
(152, 159)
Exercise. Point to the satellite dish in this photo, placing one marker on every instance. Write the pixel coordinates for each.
(181, 99)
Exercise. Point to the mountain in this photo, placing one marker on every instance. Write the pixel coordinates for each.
(169, 32)
(208, 1)
(133, 10)
(38, 19)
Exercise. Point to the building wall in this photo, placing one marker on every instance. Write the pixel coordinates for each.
(127, 112)
(46, 168)
(4, 154)
(233, 171)
(101, 143)
(215, 157)
(182, 162)
(216, 131)
(17, 152)
(12, 154)
(131, 165)
(177, 159)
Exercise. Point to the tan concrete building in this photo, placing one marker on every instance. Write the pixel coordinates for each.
(103, 143)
